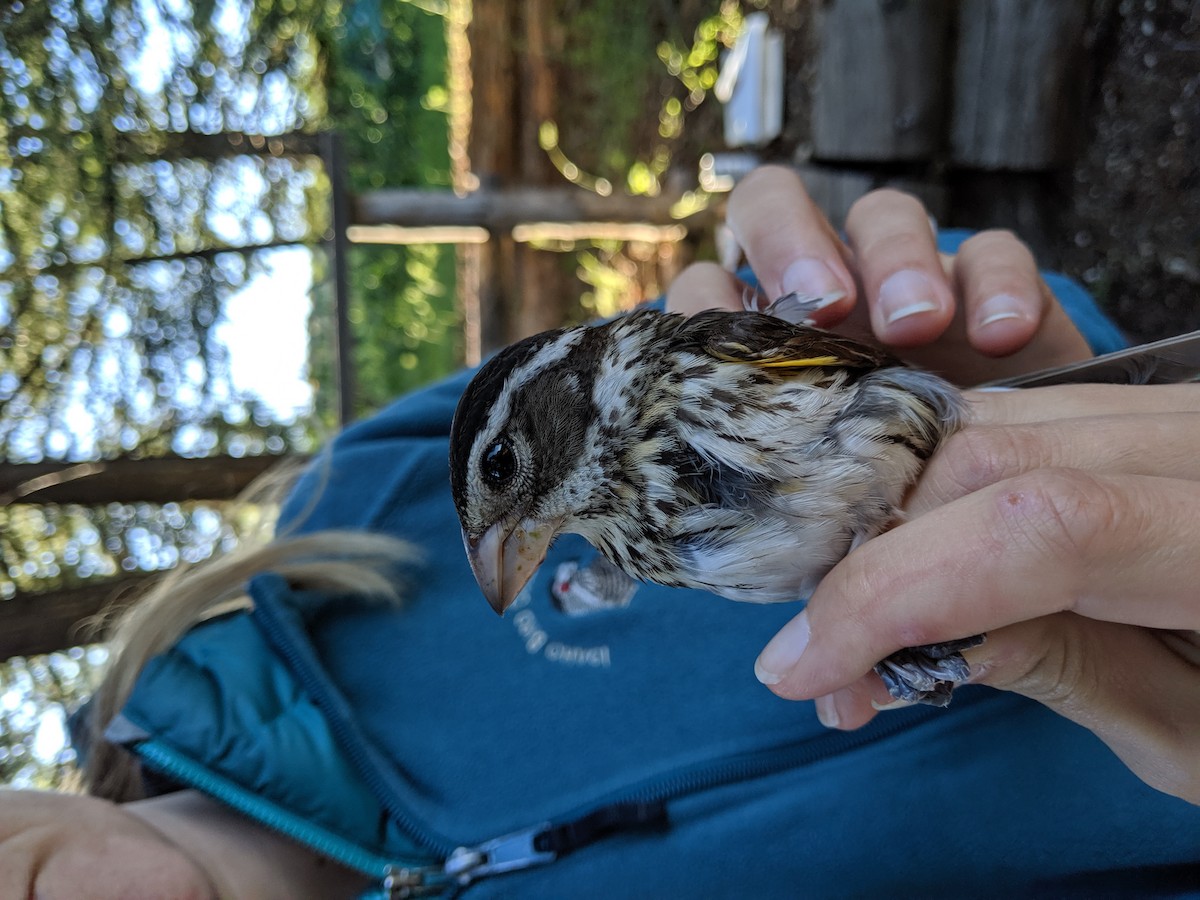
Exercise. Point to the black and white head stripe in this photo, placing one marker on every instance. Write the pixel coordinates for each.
(486, 404)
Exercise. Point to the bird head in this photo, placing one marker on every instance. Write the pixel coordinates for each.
(516, 445)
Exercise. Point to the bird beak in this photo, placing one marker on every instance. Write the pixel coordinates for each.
(504, 560)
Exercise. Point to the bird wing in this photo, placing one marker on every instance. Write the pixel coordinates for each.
(769, 342)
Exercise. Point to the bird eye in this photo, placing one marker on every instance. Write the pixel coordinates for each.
(499, 465)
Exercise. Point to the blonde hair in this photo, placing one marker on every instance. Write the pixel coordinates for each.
(346, 562)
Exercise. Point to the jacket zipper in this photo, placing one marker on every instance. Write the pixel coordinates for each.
(646, 805)
(639, 807)
(526, 847)
(397, 877)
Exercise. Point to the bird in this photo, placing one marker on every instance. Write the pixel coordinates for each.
(738, 452)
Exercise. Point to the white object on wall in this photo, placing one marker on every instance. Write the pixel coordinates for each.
(750, 85)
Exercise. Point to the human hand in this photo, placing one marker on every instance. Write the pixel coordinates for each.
(1065, 523)
(977, 316)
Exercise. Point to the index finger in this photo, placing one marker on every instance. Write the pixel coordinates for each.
(787, 240)
(1118, 548)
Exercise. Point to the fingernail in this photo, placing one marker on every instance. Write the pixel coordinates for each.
(827, 712)
(1000, 308)
(782, 651)
(812, 278)
(905, 293)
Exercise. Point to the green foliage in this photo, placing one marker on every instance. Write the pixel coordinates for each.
(107, 347)
(63, 546)
(637, 71)
(123, 224)
(607, 123)
(631, 106)
(36, 696)
(387, 97)
(405, 319)
(386, 59)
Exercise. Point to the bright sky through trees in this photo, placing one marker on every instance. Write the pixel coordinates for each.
(265, 323)
(265, 331)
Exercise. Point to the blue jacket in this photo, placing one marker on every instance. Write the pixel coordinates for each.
(626, 752)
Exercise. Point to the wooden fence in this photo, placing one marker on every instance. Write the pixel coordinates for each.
(976, 106)
(970, 104)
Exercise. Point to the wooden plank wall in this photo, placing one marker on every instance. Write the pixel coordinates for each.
(878, 97)
(970, 104)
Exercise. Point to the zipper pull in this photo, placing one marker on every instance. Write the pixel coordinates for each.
(503, 854)
(545, 843)
(402, 883)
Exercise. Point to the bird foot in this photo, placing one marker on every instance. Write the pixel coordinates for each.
(927, 674)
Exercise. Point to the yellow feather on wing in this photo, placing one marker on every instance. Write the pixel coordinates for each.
(765, 341)
(789, 363)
